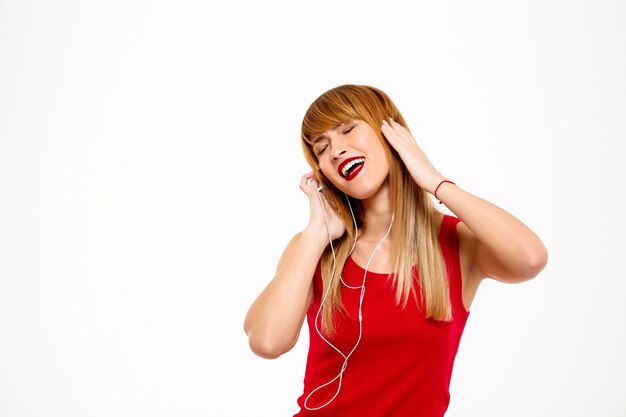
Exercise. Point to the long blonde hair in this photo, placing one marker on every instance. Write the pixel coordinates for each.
(414, 242)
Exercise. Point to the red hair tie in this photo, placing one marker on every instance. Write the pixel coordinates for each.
(440, 186)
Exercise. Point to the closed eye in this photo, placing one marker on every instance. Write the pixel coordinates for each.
(323, 148)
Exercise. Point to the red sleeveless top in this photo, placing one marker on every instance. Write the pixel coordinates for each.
(403, 363)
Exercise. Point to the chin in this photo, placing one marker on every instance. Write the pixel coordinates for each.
(362, 193)
(365, 189)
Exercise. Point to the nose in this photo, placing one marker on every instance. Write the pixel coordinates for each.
(338, 150)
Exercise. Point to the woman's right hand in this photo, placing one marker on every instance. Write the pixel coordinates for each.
(274, 320)
(336, 227)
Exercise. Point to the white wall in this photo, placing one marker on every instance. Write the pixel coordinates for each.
(149, 170)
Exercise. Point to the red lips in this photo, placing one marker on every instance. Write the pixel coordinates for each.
(354, 171)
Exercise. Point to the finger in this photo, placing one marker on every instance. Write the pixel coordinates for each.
(400, 130)
(403, 131)
(309, 183)
(401, 139)
(389, 133)
(305, 183)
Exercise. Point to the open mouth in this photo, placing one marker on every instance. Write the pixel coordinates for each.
(349, 168)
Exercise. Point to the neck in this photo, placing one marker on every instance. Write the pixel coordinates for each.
(377, 214)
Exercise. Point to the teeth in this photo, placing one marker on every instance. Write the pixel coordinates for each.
(350, 164)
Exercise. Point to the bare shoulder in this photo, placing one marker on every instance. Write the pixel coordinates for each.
(471, 278)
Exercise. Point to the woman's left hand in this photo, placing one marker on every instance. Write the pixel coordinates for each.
(422, 171)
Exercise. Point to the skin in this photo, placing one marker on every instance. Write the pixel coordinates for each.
(492, 242)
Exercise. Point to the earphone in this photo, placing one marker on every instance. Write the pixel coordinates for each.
(362, 296)
(319, 185)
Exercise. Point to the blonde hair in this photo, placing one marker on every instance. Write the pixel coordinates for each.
(414, 242)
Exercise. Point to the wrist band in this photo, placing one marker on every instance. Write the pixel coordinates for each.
(440, 186)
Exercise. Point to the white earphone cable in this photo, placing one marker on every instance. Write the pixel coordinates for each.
(362, 297)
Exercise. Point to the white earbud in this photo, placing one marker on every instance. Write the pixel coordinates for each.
(319, 185)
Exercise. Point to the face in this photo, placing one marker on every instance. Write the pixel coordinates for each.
(352, 157)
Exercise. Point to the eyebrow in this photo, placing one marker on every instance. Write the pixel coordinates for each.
(322, 136)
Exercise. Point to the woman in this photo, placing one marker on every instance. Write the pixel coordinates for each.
(384, 278)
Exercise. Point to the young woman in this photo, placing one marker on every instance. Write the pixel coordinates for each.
(384, 279)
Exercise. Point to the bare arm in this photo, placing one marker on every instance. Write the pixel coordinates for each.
(274, 320)
(505, 248)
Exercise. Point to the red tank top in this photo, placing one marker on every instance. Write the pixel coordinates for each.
(403, 364)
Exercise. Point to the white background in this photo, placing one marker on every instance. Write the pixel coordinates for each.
(149, 170)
